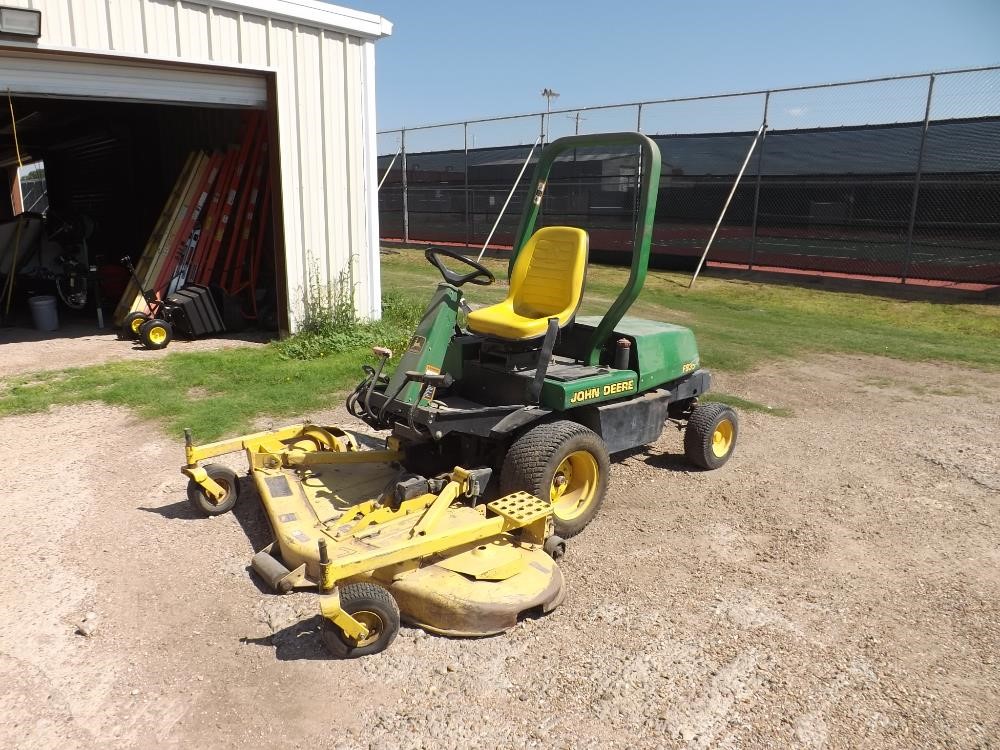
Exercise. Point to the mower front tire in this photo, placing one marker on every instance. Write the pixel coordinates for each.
(562, 462)
(225, 478)
(375, 608)
(130, 326)
(156, 333)
(710, 435)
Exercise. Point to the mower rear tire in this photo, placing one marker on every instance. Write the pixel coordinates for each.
(710, 435)
(130, 326)
(562, 462)
(224, 477)
(156, 333)
(375, 608)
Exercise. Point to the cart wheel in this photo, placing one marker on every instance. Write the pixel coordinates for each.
(710, 435)
(374, 607)
(156, 333)
(130, 326)
(200, 500)
(563, 462)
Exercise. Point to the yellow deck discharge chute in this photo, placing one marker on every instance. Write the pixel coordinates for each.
(546, 282)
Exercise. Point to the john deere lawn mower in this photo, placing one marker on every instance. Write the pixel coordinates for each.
(531, 396)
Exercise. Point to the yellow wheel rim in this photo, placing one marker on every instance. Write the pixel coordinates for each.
(574, 485)
(225, 486)
(137, 324)
(157, 334)
(722, 438)
(373, 622)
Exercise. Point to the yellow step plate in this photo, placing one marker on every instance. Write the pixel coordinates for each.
(520, 508)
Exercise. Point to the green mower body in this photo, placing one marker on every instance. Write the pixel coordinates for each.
(457, 396)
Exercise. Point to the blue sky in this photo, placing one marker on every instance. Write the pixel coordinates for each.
(451, 60)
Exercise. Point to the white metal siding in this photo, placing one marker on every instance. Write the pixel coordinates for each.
(322, 57)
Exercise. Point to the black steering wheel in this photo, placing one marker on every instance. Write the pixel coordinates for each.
(481, 275)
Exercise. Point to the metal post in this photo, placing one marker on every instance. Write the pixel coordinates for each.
(541, 140)
(406, 207)
(465, 132)
(638, 172)
(387, 170)
(916, 182)
(725, 207)
(509, 196)
(541, 131)
(756, 191)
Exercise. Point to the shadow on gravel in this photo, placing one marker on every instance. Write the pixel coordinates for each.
(250, 515)
(298, 641)
(179, 511)
(669, 461)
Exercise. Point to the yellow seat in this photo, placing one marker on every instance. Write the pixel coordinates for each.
(546, 282)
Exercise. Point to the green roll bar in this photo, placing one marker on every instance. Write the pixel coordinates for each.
(649, 186)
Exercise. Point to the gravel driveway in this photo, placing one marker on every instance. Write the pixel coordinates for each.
(835, 585)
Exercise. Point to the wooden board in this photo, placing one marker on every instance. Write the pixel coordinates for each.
(189, 231)
(170, 238)
(169, 209)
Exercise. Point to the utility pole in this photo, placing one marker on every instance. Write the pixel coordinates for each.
(549, 95)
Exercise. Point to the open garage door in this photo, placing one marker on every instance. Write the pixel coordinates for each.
(105, 142)
(123, 79)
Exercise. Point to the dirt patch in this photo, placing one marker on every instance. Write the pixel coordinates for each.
(79, 344)
(836, 585)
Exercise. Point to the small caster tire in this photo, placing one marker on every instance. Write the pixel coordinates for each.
(371, 605)
(131, 325)
(156, 333)
(555, 547)
(201, 502)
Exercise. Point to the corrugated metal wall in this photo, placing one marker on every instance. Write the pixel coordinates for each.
(325, 111)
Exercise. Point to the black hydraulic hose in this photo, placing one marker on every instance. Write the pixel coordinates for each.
(392, 398)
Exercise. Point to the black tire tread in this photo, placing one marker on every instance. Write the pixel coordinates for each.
(528, 458)
(356, 596)
(148, 325)
(699, 430)
(127, 332)
(199, 500)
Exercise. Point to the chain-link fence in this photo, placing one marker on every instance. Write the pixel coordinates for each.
(896, 177)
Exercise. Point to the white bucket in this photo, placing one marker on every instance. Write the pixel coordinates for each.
(44, 313)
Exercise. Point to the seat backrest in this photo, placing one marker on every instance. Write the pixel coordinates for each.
(547, 278)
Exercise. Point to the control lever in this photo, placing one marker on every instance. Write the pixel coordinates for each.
(384, 356)
(438, 380)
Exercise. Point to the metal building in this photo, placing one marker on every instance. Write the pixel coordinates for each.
(309, 64)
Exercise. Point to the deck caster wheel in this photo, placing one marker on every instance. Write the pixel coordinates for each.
(710, 435)
(372, 606)
(156, 333)
(130, 326)
(555, 547)
(224, 477)
(563, 462)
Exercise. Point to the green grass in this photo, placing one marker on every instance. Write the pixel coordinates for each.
(744, 405)
(739, 324)
(743, 324)
(214, 393)
(222, 392)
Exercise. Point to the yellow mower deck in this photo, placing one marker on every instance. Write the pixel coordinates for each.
(452, 568)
